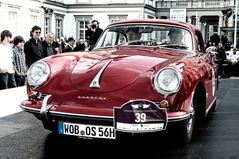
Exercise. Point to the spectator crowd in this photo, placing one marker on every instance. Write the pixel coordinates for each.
(17, 55)
(226, 55)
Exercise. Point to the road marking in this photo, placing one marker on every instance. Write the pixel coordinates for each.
(11, 99)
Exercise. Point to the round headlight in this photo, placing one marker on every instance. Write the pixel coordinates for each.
(168, 80)
(38, 73)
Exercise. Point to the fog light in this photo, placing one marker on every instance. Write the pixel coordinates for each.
(164, 104)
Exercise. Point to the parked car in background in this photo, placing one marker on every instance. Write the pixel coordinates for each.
(142, 76)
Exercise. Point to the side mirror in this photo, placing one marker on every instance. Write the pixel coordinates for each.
(212, 51)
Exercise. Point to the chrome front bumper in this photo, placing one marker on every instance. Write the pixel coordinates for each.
(48, 117)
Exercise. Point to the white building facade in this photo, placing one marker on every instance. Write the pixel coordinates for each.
(70, 18)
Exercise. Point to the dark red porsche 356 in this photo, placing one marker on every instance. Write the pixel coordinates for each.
(142, 76)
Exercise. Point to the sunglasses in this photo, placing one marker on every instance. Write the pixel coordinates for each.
(38, 32)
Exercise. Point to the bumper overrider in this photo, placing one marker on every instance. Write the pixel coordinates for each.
(136, 116)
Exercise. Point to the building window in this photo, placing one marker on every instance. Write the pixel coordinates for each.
(59, 26)
(59, 32)
(12, 22)
(116, 18)
(150, 2)
(82, 25)
(47, 20)
(33, 20)
(46, 25)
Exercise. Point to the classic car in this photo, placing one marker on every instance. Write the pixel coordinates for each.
(127, 84)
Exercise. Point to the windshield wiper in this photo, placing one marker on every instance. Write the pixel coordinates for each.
(143, 42)
(135, 42)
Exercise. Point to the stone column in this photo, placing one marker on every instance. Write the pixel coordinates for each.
(220, 24)
(230, 24)
(198, 23)
(53, 24)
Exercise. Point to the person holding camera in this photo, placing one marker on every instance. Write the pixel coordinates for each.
(93, 34)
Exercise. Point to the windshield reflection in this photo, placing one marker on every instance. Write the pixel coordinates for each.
(148, 35)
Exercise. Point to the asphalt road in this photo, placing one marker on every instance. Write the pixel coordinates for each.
(23, 137)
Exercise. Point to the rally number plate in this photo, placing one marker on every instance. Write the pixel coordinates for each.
(82, 130)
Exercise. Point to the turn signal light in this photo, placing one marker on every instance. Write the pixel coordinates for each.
(164, 104)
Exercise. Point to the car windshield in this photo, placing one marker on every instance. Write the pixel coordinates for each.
(172, 37)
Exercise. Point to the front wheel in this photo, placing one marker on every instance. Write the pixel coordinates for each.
(186, 131)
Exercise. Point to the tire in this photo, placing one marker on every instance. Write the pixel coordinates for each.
(186, 131)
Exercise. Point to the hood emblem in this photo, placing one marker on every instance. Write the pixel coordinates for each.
(96, 81)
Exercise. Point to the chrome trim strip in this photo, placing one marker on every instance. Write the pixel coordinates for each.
(96, 81)
(170, 119)
(111, 117)
(211, 105)
(29, 109)
(81, 115)
(177, 118)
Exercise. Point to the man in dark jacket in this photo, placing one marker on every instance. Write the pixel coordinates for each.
(221, 58)
(93, 34)
(33, 47)
(80, 45)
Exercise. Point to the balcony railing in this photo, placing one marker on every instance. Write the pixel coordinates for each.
(195, 4)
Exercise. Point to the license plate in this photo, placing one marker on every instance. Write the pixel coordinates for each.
(82, 130)
(139, 116)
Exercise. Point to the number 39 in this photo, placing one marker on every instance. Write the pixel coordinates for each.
(140, 117)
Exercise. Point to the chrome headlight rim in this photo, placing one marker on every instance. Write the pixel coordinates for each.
(31, 81)
(162, 91)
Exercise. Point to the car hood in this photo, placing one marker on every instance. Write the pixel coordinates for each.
(112, 70)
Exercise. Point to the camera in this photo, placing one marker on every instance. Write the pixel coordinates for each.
(93, 26)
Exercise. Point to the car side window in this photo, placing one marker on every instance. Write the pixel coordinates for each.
(122, 39)
(110, 39)
(199, 43)
(113, 38)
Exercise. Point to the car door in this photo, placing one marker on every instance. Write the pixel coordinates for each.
(209, 69)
